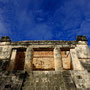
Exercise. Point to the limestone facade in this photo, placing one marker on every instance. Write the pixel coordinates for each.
(46, 59)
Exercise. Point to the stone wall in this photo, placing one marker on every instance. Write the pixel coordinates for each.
(49, 65)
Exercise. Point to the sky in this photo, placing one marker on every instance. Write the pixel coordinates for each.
(44, 19)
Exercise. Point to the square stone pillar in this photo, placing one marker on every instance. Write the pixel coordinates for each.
(12, 60)
(75, 61)
(28, 59)
(57, 59)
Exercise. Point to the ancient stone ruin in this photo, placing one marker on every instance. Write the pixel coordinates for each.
(44, 65)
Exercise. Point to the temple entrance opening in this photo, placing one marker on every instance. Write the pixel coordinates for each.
(20, 59)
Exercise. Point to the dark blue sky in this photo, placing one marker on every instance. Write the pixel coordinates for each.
(44, 19)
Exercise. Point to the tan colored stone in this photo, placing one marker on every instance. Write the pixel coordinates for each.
(75, 61)
(43, 60)
(57, 58)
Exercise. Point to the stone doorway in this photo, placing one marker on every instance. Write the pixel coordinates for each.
(66, 59)
(43, 59)
(20, 59)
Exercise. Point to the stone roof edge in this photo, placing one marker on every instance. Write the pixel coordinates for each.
(43, 42)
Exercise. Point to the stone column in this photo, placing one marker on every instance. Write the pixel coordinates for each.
(28, 59)
(57, 59)
(75, 61)
(12, 60)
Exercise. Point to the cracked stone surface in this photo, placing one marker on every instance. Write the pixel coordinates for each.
(58, 65)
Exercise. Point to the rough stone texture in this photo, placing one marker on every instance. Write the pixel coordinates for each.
(5, 52)
(45, 81)
(57, 58)
(81, 38)
(82, 51)
(85, 63)
(69, 60)
(81, 79)
(75, 61)
(5, 39)
(43, 60)
(66, 60)
(12, 80)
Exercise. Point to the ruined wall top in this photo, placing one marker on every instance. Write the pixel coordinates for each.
(5, 39)
(81, 38)
(43, 42)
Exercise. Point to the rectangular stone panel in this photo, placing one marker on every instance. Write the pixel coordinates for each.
(66, 60)
(43, 60)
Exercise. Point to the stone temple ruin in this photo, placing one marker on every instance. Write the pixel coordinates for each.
(44, 65)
